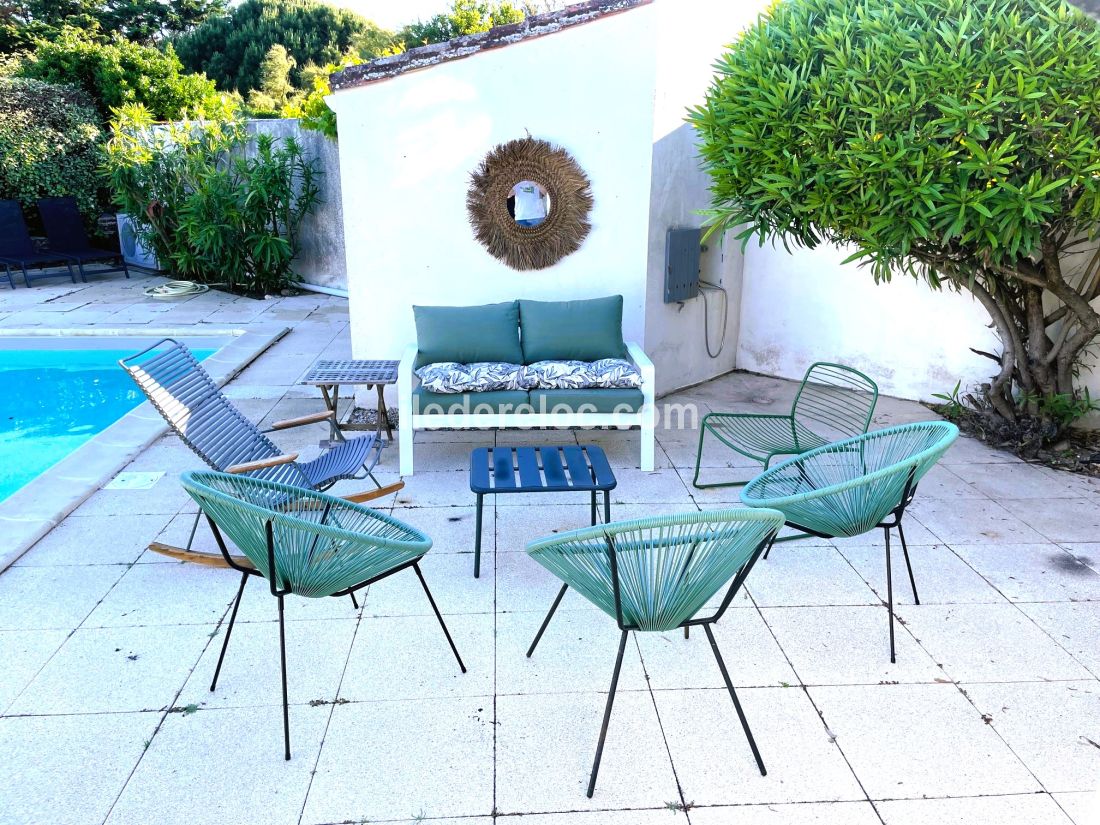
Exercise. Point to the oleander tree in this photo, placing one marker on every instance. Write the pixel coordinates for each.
(956, 141)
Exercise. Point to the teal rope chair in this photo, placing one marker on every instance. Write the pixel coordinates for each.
(854, 486)
(832, 399)
(306, 543)
(656, 574)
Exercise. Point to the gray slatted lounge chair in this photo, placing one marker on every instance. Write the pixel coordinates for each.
(205, 420)
(17, 248)
(65, 231)
(833, 402)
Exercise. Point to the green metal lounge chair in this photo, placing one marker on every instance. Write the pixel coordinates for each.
(833, 401)
(854, 486)
(656, 574)
(306, 543)
(204, 419)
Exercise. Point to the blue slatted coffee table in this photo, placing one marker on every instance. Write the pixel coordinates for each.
(570, 469)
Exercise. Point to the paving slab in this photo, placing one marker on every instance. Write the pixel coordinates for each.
(988, 642)
(224, 767)
(430, 758)
(849, 646)
(888, 732)
(545, 747)
(1054, 728)
(101, 670)
(1019, 809)
(806, 813)
(68, 770)
(715, 766)
(1032, 572)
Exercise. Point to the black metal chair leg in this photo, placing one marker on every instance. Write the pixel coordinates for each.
(439, 616)
(229, 631)
(353, 601)
(282, 658)
(909, 567)
(546, 621)
(607, 715)
(736, 703)
(890, 594)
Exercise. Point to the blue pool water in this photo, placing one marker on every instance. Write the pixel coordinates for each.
(53, 400)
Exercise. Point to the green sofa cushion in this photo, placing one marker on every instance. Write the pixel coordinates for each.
(604, 400)
(572, 330)
(468, 335)
(469, 402)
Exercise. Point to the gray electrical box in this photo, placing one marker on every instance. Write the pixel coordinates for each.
(682, 252)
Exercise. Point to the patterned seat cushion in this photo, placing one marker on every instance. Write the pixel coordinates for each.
(451, 378)
(607, 373)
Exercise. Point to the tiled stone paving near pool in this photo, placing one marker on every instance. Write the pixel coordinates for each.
(991, 714)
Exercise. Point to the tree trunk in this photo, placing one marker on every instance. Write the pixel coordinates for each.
(1040, 351)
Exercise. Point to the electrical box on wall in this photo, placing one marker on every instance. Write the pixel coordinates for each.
(682, 252)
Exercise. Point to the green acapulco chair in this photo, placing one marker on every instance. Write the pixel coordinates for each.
(833, 400)
(306, 543)
(854, 486)
(656, 574)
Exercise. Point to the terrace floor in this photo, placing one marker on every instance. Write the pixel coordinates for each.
(991, 714)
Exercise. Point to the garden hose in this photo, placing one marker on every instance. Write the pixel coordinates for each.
(175, 289)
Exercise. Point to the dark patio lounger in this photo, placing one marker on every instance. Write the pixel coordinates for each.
(65, 231)
(17, 249)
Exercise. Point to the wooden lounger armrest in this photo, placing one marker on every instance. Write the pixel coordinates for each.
(354, 498)
(312, 418)
(262, 464)
(359, 498)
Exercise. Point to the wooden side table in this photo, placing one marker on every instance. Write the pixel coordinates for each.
(330, 375)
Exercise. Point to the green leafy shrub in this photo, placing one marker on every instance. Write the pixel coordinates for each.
(119, 72)
(216, 203)
(49, 144)
(464, 17)
(231, 48)
(23, 22)
(956, 141)
(310, 108)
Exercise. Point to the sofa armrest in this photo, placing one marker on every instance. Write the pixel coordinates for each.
(645, 367)
(405, 369)
(405, 408)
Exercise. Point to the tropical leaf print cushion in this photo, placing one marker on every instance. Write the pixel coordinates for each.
(607, 373)
(452, 378)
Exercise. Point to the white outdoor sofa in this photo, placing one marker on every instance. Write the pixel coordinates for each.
(561, 330)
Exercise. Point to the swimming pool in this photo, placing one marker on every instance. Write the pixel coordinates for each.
(54, 397)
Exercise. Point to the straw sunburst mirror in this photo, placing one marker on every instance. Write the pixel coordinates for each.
(529, 203)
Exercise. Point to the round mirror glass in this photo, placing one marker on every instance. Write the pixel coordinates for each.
(528, 203)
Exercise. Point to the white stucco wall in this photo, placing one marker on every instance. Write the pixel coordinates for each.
(806, 306)
(409, 144)
(687, 48)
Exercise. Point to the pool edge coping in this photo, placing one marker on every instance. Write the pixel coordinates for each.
(44, 502)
